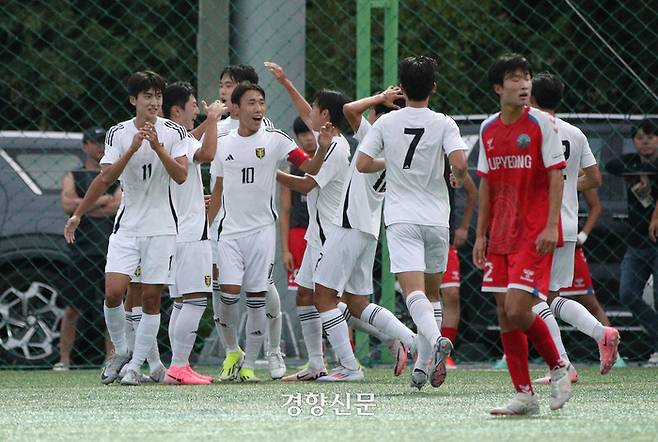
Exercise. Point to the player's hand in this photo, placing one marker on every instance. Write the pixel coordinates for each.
(653, 230)
(460, 237)
(70, 228)
(288, 261)
(391, 94)
(277, 71)
(152, 136)
(546, 241)
(326, 134)
(479, 249)
(137, 141)
(215, 110)
(206, 200)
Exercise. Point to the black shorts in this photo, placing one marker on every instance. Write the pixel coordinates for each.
(86, 282)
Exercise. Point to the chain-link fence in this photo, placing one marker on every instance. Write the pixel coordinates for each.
(65, 64)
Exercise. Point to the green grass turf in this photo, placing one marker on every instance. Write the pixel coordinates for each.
(45, 405)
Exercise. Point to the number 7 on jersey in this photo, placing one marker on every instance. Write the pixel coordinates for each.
(417, 133)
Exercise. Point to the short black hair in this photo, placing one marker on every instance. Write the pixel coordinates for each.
(417, 76)
(143, 81)
(176, 94)
(333, 102)
(240, 73)
(649, 126)
(547, 90)
(505, 64)
(242, 89)
(381, 109)
(299, 127)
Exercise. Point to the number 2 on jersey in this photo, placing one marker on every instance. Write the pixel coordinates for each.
(417, 133)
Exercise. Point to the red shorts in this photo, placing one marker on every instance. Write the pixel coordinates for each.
(524, 270)
(452, 275)
(582, 280)
(296, 245)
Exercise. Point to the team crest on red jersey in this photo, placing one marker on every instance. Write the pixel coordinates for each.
(260, 152)
(523, 141)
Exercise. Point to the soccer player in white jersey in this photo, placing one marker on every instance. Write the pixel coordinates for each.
(323, 198)
(245, 172)
(145, 153)
(193, 247)
(547, 93)
(347, 256)
(414, 141)
(230, 77)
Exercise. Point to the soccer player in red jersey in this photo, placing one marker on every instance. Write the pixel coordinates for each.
(520, 164)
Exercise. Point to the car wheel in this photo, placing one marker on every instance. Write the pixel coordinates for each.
(30, 318)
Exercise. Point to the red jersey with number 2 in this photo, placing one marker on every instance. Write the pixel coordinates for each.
(515, 159)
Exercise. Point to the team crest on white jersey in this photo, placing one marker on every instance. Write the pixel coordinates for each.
(260, 152)
(207, 280)
(523, 141)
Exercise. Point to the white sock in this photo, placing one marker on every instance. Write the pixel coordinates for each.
(358, 324)
(129, 331)
(544, 311)
(255, 330)
(153, 356)
(216, 306)
(387, 323)
(175, 311)
(423, 315)
(273, 313)
(574, 313)
(438, 313)
(145, 336)
(229, 320)
(335, 327)
(424, 356)
(185, 332)
(115, 319)
(309, 318)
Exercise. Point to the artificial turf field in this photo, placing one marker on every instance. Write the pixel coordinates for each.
(46, 405)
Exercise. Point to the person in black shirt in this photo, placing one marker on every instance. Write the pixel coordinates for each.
(640, 172)
(86, 273)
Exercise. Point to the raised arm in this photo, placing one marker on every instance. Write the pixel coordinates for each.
(298, 100)
(354, 110)
(209, 147)
(312, 165)
(175, 167)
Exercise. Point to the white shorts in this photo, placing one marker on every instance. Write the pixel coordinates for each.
(346, 260)
(562, 268)
(248, 261)
(193, 268)
(306, 271)
(416, 248)
(154, 255)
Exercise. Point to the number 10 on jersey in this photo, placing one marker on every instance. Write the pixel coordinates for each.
(247, 175)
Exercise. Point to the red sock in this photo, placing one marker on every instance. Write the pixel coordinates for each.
(515, 346)
(450, 333)
(541, 339)
(353, 344)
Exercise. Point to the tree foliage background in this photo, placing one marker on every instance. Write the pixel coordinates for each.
(65, 61)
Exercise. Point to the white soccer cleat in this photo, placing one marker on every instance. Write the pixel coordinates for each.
(546, 380)
(418, 378)
(158, 374)
(132, 377)
(276, 364)
(111, 369)
(307, 374)
(560, 387)
(523, 404)
(342, 374)
(442, 349)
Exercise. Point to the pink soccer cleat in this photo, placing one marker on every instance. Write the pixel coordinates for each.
(401, 357)
(181, 376)
(608, 345)
(199, 375)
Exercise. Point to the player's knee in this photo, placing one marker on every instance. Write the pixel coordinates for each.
(304, 296)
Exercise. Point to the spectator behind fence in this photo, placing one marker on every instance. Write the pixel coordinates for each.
(86, 273)
(640, 172)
